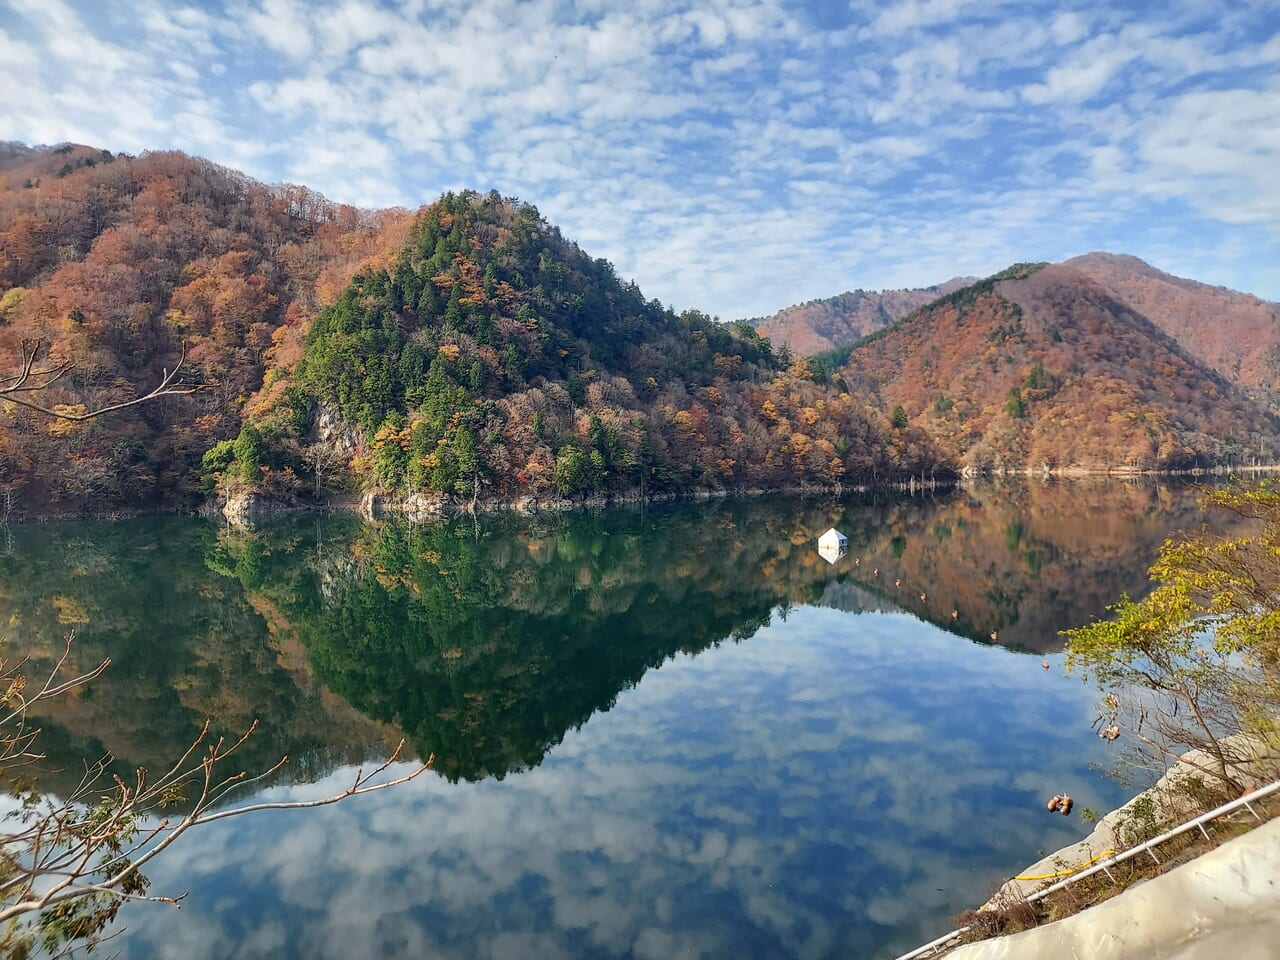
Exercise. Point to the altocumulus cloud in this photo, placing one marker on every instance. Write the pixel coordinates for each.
(733, 156)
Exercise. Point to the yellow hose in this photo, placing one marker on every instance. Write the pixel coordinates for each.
(1075, 869)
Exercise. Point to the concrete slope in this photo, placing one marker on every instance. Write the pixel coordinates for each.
(1224, 904)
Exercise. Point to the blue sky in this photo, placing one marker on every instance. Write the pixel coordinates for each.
(733, 155)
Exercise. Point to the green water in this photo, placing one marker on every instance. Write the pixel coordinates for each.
(672, 731)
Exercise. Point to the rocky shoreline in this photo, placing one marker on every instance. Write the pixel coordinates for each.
(246, 509)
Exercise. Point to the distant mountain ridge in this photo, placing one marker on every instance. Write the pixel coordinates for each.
(1044, 368)
(1237, 334)
(817, 325)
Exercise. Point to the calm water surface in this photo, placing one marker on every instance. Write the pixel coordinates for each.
(676, 732)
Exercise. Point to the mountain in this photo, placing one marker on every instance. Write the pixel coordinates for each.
(1235, 333)
(818, 325)
(493, 358)
(1041, 367)
(472, 328)
(470, 350)
(112, 263)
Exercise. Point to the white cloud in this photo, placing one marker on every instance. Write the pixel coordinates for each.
(282, 25)
(1219, 150)
(1069, 27)
(752, 138)
(1084, 76)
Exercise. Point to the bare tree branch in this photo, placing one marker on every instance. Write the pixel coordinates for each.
(29, 380)
(86, 852)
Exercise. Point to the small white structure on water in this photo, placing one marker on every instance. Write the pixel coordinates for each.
(832, 545)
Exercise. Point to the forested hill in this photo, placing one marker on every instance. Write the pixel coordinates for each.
(818, 325)
(494, 359)
(112, 262)
(1237, 334)
(1040, 367)
(468, 350)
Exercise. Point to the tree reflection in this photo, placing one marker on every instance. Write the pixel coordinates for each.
(485, 643)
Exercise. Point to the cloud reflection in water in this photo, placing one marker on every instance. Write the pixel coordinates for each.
(804, 793)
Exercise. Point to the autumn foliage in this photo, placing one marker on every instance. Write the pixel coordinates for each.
(113, 262)
(818, 325)
(493, 358)
(1236, 334)
(1043, 369)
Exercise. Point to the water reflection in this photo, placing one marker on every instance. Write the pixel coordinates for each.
(484, 649)
(817, 769)
(826, 788)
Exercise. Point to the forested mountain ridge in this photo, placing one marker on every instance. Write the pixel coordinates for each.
(1041, 368)
(469, 350)
(114, 262)
(818, 325)
(1237, 334)
(494, 359)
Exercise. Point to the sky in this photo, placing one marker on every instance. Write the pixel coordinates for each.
(736, 156)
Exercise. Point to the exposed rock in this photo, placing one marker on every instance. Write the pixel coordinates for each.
(341, 436)
(241, 509)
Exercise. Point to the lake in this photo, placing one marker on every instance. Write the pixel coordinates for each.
(675, 731)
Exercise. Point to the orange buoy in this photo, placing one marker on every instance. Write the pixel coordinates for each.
(955, 614)
(897, 583)
(922, 598)
(1113, 733)
(994, 635)
(1045, 664)
(1066, 805)
(1054, 801)
(875, 571)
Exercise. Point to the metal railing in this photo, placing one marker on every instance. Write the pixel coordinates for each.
(1103, 866)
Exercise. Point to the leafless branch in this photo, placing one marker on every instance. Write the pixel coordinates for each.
(95, 842)
(30, 380)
